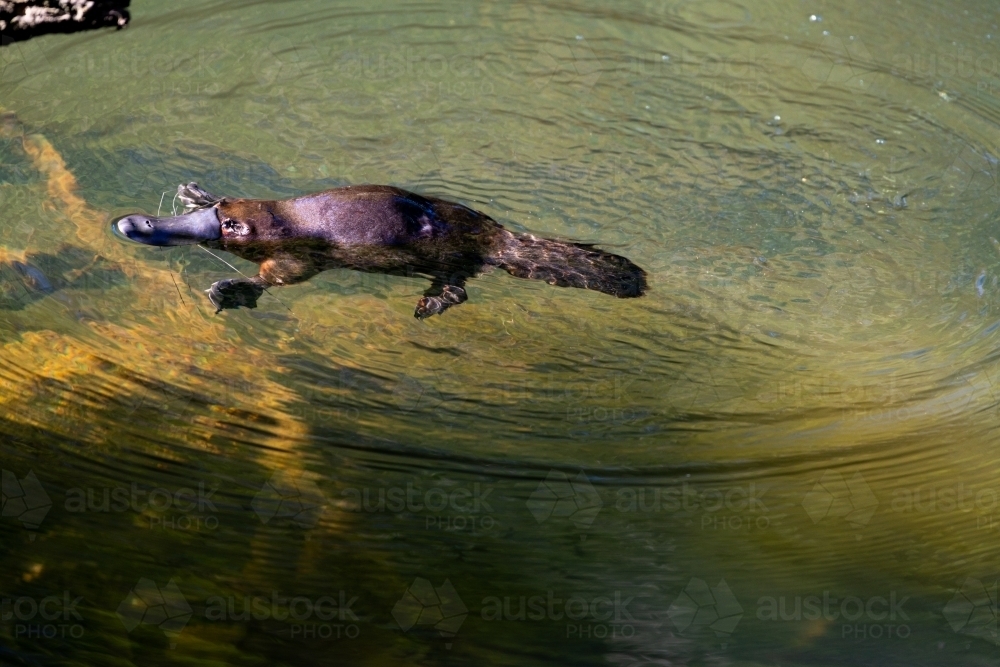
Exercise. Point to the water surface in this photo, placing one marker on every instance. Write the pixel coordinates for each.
(784, 454)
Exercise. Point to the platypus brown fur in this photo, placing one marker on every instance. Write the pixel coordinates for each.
(378, 229)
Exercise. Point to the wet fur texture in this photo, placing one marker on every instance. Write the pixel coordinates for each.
(383, 229)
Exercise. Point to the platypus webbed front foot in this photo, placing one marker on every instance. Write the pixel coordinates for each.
(450, 295)
(193, 196)
(235, 292)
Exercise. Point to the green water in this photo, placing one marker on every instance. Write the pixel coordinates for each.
(784, 454)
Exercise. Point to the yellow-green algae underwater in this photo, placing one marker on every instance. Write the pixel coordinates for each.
(786, 453)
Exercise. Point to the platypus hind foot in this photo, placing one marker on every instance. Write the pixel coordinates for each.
(233, 293)
(451, 295)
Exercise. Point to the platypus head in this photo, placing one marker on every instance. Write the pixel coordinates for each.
(194, 227)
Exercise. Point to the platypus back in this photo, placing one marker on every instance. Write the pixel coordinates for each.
(570, 265)
(374, 228)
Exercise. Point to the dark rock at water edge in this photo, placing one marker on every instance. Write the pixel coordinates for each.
(24, 19)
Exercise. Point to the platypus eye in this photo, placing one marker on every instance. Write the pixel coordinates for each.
(234, 228)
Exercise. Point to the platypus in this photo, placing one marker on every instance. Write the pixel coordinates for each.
(378, 229)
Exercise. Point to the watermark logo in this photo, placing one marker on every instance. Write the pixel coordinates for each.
(861, 618)
(181, 509)
(24, 499)
(291, 497)
(955, 498)
(308, 618)
(423, 604)
(50, 617)
(147, 604)
(834, 496)
(735, 508)
(19, 65)
(597, 617)
(973, 610)
(974, 173)
(558, 495)
(448, 507)
(839, 62)
(573, 62)
(410, 394)
(281, 58)
(699, 606)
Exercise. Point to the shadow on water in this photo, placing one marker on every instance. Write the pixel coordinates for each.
(42, 274)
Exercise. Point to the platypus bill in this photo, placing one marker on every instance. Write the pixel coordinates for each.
(377, 229)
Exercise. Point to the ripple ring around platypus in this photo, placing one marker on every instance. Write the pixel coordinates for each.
(376, 229)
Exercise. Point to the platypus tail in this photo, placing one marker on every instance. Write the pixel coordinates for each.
(570, 265)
